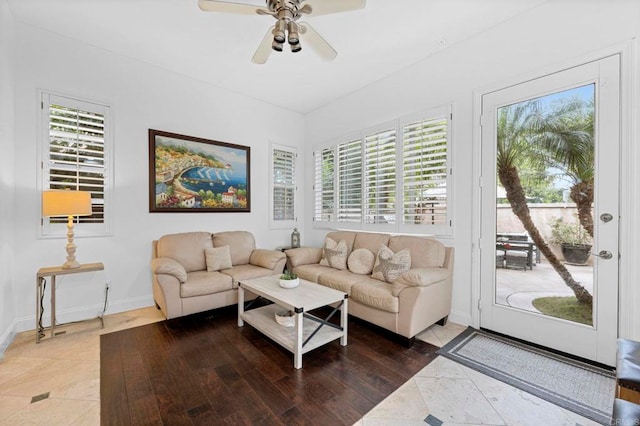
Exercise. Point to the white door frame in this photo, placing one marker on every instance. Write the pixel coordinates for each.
(629, 243)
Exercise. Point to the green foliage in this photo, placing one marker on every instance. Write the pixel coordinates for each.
(568, 233)
(567, 308)
(288, 276)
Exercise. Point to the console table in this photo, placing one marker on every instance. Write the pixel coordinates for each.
(53, 272)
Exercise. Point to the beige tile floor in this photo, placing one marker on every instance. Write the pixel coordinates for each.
(65, 372)
(449, 394)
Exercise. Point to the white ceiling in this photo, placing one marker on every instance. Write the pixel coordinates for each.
(386, 36)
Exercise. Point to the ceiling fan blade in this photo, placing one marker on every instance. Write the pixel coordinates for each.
(316, 42)
(228, 7)
(264, 49)
(325, 7)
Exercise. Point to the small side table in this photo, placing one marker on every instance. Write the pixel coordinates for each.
(53, 272)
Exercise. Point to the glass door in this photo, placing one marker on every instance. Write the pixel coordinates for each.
(549, 236)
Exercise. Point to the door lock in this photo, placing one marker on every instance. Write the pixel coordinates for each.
(606, 217)
(604, 254)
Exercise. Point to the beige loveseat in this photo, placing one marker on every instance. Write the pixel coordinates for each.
(409, 303)
(198, 271)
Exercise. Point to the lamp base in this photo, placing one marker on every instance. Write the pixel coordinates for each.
(71, 265)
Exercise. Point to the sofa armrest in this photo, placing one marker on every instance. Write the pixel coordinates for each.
(267, 258)
(168, 266)
(423, 277)
(304, 256)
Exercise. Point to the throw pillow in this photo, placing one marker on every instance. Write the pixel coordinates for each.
(334, 254)
(218, 258)
(361, 261)
(389, 265)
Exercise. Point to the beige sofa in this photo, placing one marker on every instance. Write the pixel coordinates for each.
(409, 304)
(198, 271)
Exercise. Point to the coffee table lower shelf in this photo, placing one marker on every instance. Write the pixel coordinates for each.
(263, 320)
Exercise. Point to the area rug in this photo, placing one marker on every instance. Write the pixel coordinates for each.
(204, 369)
(577, 386)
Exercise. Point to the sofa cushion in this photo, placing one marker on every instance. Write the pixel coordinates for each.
(186, 248)
(334, 254)
(348, 236)
(202, 282)
(311, 272)
(377, 294)
(241, 244)
(389, 265)
(246, 272)
(218, 258)
(361, 261)
(340, 280)
(371, 241)
(425, 252)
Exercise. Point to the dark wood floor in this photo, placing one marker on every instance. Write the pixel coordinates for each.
(204, 369)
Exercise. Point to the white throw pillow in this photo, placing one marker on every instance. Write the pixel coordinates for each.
(334, 254)
(389, 265)
(218, 258)
(361, 261)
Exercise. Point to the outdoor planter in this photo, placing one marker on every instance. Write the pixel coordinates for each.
(576, 254)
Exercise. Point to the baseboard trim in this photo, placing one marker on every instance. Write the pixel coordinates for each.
(82, 313)
(462, 318)
(7, 337)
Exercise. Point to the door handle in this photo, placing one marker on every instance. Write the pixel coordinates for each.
(604, 254)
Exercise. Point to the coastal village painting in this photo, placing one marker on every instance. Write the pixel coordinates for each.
(189, 174)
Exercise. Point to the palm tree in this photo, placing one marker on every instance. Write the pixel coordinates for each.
(565, 137)
(516, 125)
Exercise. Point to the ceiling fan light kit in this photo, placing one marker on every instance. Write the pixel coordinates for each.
(287, 28)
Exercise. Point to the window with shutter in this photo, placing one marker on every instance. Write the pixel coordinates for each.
(380, 177)
(390, 180)
(75, 156)
(283, 187)
(350, 182)
(324, 185)
(425, 171)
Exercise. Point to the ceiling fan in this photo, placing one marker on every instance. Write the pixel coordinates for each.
(287, 28)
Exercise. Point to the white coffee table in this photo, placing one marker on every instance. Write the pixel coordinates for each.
(310, 332)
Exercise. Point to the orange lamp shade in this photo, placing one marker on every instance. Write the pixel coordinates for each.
(66, 203)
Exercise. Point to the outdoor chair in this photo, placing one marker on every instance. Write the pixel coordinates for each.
(516, 259)
(500, 258)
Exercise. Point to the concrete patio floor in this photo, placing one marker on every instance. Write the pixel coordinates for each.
(518, 288)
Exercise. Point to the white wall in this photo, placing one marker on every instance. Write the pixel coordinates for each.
(7, 176)
(142, 97)
(536, 41)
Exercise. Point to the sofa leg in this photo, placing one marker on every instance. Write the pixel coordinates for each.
(443, 321)
(407, 341)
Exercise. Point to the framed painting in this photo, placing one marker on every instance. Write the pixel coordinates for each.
(195, 175)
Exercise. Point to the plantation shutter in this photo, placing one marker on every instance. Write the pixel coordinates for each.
(380, 177)
(283, 185)
(425, 172)
(324, 185)
(350, 182)
(75, 158)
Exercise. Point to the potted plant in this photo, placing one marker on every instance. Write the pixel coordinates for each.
(289, 280)
(573, 240)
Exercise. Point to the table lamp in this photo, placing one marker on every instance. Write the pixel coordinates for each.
(69, 204)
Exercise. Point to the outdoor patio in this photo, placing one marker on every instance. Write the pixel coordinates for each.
(518, 288)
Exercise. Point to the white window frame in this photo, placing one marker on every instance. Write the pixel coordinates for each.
(57, 229)
(445, 228)
(279, 223)
(373, 131)
(318, 195)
